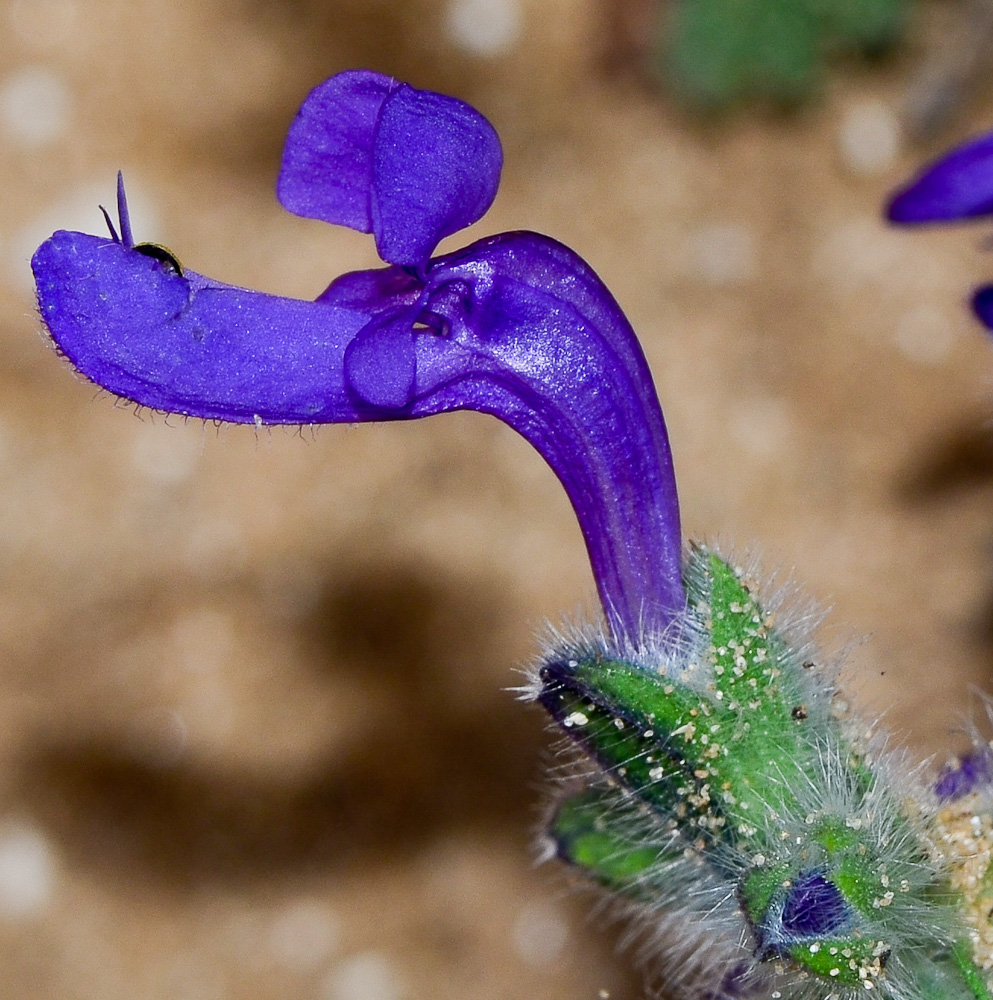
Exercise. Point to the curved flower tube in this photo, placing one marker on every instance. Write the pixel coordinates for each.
(516, 325)
(957, 186)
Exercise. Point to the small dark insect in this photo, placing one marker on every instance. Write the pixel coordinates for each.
(162, 254)
(799, 713)
(126, 239)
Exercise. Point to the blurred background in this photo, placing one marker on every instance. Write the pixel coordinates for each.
(255, 733)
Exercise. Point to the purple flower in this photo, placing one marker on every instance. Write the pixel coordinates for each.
(957, 186)
(970, 773)
(516, 325)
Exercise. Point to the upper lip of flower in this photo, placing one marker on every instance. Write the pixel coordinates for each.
(516, 325)
(355, 144)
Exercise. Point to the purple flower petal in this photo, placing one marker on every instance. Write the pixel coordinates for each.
(436, 169)
(380, 362)
(982, 304)
(409, 165)
(327, 160)
(957, 186)
(973, 771)
(380, 290)
(814, 908)
(187, 344)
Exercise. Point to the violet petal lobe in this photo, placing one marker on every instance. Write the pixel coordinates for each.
(410, 166)
(327, 159)
(436, 169)
(186, 344)
(380, 363)
(959, 185)
(381, 290)
(520, 327)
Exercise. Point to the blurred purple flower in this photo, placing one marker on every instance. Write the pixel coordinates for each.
(515, 325)
(957, 186)
(972, 771)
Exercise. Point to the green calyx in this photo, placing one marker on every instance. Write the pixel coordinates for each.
(720, 763)
(585, 834)
(724, 740)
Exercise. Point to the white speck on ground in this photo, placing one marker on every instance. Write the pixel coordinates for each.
(27, 871)
(483, 27)
(858, 252)
(722, 254)
(869, 137)
(539, 934)
(166, 456)
(763, 426)
(367, 976)
(34, 105)
(925, 334)
(303, 935)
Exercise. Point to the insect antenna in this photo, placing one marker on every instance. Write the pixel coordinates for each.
(110, 225)
(127, 239)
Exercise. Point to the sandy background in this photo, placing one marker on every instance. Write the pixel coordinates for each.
(254, 734)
